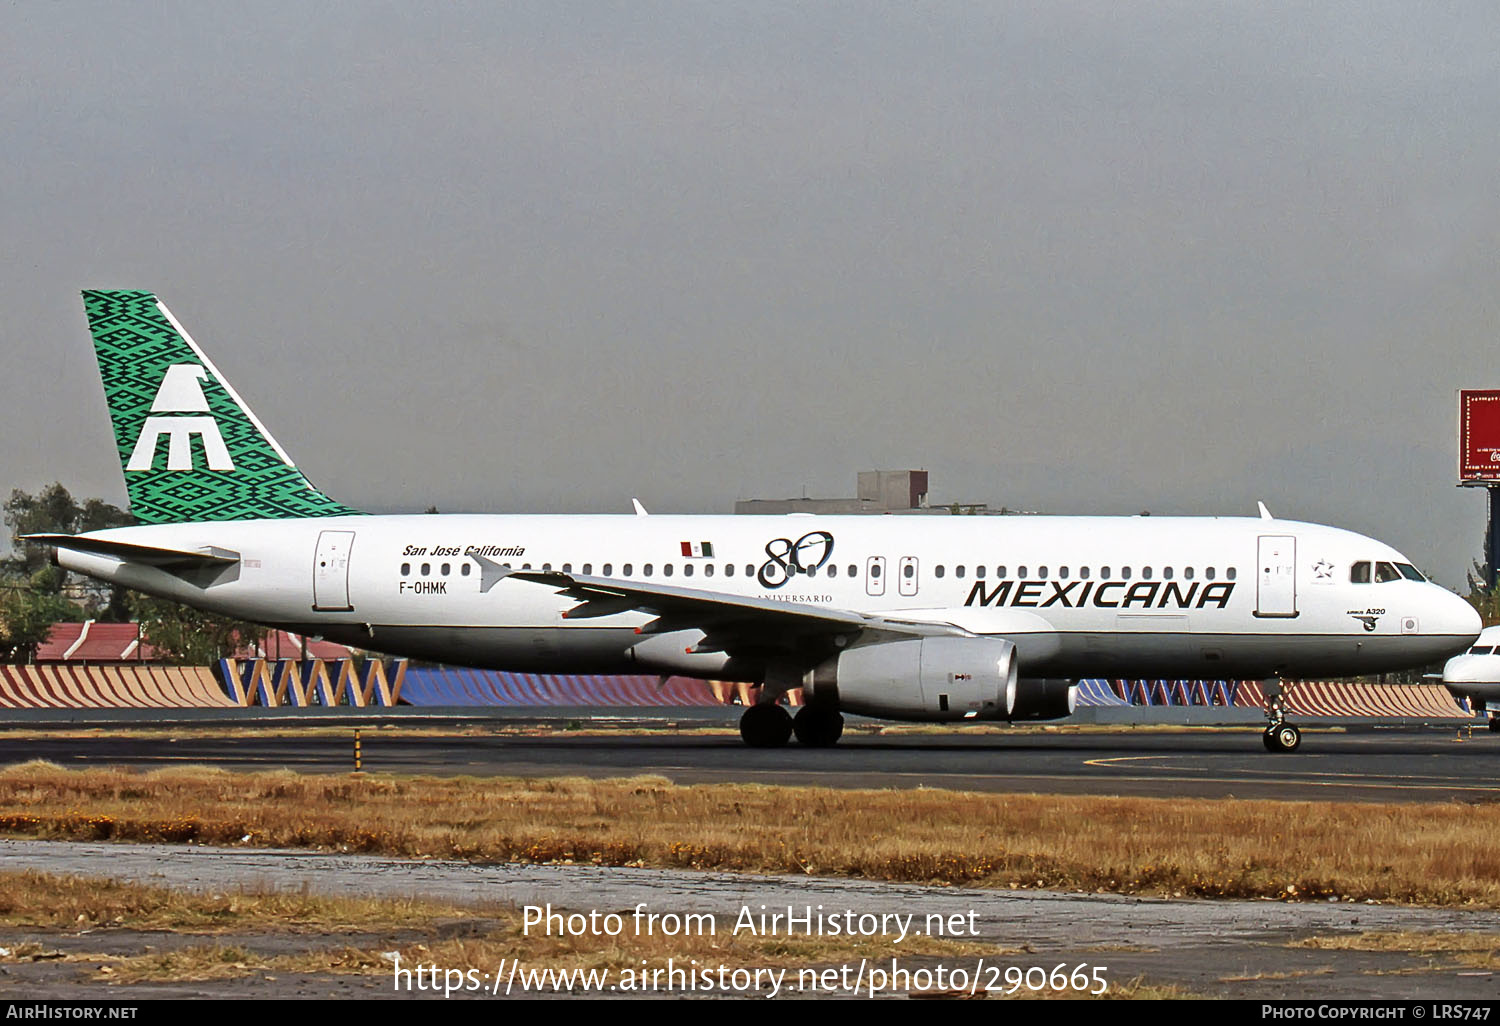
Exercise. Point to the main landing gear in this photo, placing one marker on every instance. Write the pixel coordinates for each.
(1280, 736)
(768, 725)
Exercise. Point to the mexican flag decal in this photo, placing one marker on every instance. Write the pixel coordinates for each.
(698, 550)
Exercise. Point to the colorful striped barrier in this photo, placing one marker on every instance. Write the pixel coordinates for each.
(315, 682)
(110, 687)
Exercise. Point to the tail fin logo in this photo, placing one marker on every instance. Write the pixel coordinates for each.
(180, 392)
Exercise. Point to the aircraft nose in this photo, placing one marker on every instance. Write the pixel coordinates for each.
(1457, 618)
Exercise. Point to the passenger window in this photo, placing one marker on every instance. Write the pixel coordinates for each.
(546, 568)
(1359, 573)
(937, 571)
(588, 569)
(646, 570)
(609, 569)
(1020, 571)
(687, 569)
(1083, 571)
(1145, 573)
(1386, 572)
(1166, 573)
(1041, 571)
(979, 571)
(446, 568)
(666, 569)
(833, 571)
(426, 569)
(853, 570)
(1104, 571)
(708, 569)
(749, 569)
(405, 569)
(958, 572)
(1063, 573)
(465, 569)
(1208, 574)
(1125, 572)
(999, 571)
(567, 568)
(1187, 573)
(1230, 574)
(728, 569)
(628, 570)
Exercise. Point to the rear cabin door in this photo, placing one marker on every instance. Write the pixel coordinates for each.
(331, 570)
(1276, 576)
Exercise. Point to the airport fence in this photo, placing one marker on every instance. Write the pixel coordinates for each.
(373, 683)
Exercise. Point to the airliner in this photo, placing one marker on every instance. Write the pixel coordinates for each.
(923, 618)
(1474, 674)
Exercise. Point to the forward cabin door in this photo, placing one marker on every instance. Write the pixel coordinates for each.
(331, 570)
(1276, 576)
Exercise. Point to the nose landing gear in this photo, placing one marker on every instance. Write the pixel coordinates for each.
(1280, 736)
(1284, 738)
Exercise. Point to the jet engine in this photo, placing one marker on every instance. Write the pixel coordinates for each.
(935, 679)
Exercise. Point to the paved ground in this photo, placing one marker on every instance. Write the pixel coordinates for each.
(1220, 949)
(1363, 764)
(1215, 948)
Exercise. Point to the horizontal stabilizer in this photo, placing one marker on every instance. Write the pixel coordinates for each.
(154, 555)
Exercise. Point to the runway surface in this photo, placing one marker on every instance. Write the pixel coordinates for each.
(1370, 765)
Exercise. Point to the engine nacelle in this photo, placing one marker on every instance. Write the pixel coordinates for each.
(1044, 698)
(935, 679)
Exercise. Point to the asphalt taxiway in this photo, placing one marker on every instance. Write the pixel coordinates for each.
(1408, 764)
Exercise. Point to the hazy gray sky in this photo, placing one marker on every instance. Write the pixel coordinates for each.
(1070, 256)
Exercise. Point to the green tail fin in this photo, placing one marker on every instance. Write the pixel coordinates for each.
(190, 448)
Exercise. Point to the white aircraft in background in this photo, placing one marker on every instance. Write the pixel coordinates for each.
(1475, 674)
(916, 618)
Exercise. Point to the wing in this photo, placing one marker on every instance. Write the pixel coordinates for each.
(728, 622)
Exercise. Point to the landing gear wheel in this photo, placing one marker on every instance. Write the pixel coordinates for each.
(766, 726)
(1282, 738)
(818, 727)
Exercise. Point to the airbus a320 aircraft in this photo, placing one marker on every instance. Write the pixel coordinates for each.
(916, 618)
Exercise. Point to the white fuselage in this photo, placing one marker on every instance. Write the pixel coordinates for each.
(1475, 673)
(1197, 597)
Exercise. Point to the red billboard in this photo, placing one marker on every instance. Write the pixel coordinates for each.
(1479, 436)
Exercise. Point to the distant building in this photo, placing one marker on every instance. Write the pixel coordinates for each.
(880, 491)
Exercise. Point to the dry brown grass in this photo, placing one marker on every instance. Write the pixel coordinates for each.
(1413, 853)
(1469, 949)
(43, 900)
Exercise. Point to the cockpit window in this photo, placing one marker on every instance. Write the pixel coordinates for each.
(1482, 650)
(1386, 572)
(1359, 573)
(1410, 572)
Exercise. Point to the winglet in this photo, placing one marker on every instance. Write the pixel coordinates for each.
(1265, 514)
(640, 510)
